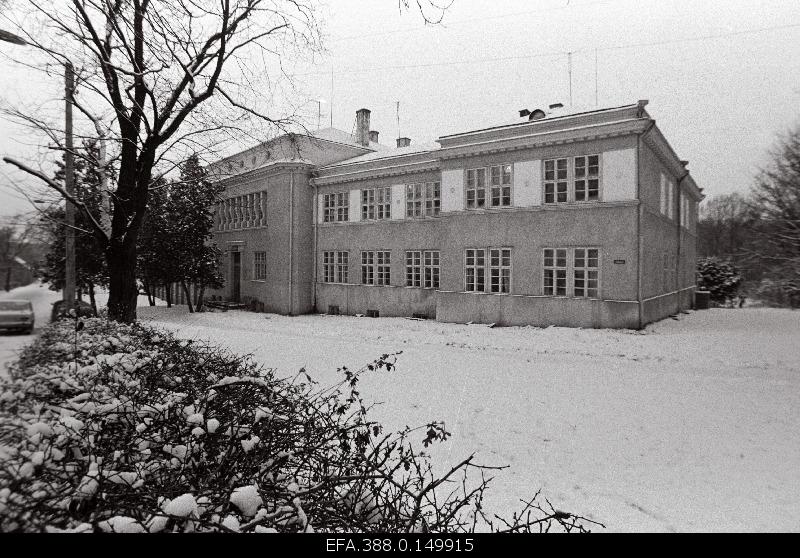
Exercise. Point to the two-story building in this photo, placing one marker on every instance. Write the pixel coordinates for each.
(584, 220)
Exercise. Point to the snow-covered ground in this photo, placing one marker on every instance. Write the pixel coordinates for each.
(691, 425)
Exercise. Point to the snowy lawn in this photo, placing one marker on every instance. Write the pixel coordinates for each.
(692, 425)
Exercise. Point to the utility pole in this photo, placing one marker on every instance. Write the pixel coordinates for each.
(569, 70)
(69, 186)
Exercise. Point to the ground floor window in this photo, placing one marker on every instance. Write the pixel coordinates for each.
(500, 270)
(376, 267)
(422, 268)
(571, 270)
(334, 267)
(260, 266)
(474, 269)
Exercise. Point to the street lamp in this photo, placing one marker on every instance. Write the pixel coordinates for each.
(69, 176)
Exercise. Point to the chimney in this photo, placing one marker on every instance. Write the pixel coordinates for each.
(373, 136)
(362, 127)
(403, 142)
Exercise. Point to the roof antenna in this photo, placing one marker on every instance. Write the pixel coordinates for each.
(398, 119)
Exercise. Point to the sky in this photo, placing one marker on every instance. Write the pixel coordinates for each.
(722, 76)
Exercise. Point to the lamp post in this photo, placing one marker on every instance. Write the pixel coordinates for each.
(69, 176)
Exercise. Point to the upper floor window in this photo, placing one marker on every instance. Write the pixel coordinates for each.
(376, 203)
(423, 199)
(666, 192)
(376, 267)
(571, 270)
(422, 269)
(335, 207)
(260, 266)
(572, 179)
(489, 186)
(335, 267)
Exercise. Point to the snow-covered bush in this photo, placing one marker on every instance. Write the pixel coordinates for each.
(720, 278)
(123, 428)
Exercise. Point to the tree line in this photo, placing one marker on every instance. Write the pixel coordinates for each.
(757, 235)
(172, 247)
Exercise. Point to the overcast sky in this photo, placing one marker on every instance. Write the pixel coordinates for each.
(722, 76)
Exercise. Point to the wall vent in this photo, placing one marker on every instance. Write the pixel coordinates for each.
(373, 314)
(333, 310)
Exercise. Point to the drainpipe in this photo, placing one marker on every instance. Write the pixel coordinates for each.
(291, 240)
(678, 282)
(315, 213)
(639, 209)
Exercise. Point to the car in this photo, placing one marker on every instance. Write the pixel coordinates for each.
(16, 315)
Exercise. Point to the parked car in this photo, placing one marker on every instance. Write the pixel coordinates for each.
(16, 315)
(82, 308)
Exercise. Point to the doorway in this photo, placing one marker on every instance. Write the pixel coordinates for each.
(236, 274)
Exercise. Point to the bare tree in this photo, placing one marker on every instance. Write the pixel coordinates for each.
(154, 78)
(723, 226)
(776, 205)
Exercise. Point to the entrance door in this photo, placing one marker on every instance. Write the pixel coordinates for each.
(236, 276)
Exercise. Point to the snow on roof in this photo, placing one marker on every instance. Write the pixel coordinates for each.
(389, 154)
(340, 136)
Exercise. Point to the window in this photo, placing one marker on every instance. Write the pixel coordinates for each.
(413, 269)
(422, 269)
(334, 267)
(335, 207)
(555, 181)
(376, 203)
(498, 190)
(582, 265)
(475, 266)
(555, 271)
(423, 200)
(259, 266)
(586, 273)
(376, 268)
(578, 182)
(431, 269)
(499, 270)
(587, 178)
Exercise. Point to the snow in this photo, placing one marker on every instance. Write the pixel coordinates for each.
(247, 499)
(121, 524)
(691, 425)
(182, 506)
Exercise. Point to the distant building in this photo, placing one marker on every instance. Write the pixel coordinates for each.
(583, 220)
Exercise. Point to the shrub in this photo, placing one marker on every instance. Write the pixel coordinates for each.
(720, 278)
(113, 427)
(779, 292)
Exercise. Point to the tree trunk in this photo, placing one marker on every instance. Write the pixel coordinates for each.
(8, 278)
(168, 294)
(92, 299)
(198, 306)
(188, 296)
(122, 290)
(148, 289)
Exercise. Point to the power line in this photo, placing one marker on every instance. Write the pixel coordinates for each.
(557, 53)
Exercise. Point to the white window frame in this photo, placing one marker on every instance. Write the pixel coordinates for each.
(376, 203)
(335, 266)
(376, 267)
(499, 270)
(570, 178)
(260, 267)
(568, 270)
(493, 185)
(478, 270)
(336, 207)
(423, 268)
(552, 289)
(587, 270)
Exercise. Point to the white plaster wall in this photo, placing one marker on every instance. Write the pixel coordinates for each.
(619, 175)
(528, 183)
(355, 205)
(398, 201)
(452, 190)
